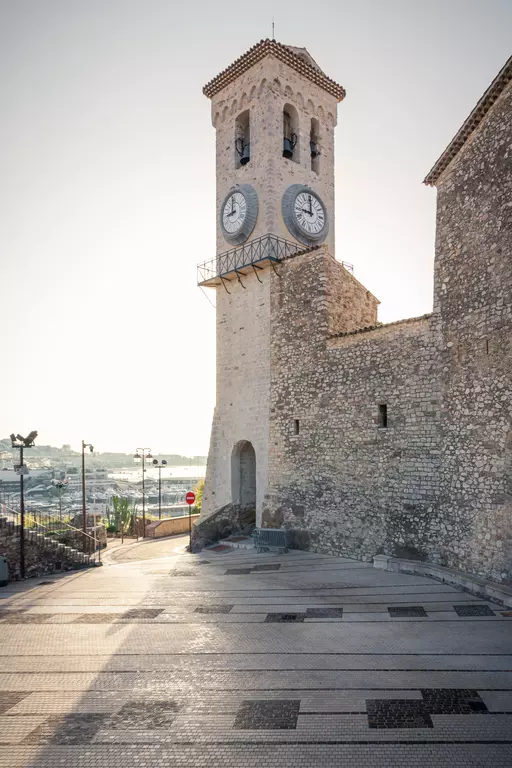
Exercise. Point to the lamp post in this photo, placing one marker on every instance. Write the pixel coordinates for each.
(84, 517)
(60, 485)
(17, 441)
(141, 456)
(163, 463)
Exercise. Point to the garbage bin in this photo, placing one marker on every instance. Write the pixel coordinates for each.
(3, 572)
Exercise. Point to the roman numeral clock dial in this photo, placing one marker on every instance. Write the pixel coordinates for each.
(238, 213)
(305, 214)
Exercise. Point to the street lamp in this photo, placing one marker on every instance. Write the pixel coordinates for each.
(60, 485)
(84, 519)
(17, 441)
(141, 456)
(163, 463)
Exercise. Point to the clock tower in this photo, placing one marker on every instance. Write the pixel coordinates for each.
(274, 111)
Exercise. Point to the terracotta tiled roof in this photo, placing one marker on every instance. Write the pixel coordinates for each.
(282, 52)
(495, 89)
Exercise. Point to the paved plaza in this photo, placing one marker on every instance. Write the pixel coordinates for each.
(230, 658)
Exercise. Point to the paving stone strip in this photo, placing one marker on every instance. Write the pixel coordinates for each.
(216, 674)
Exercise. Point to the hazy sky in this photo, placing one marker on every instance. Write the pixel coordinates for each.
(107, 196)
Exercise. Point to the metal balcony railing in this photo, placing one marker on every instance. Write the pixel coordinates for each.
(252, 256)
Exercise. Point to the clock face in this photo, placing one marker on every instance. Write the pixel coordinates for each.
(309, 213)
(234, 213)
(238, 214)
(305, 215)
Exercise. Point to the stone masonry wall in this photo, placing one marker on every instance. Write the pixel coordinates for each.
(473, 296)
(436, 483)
(343, 484)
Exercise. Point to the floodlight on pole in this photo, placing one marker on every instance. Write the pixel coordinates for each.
(141, 456)
(160, 466)
(84, 512)
(18, 441)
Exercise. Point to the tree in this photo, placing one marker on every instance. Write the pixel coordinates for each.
(199, 490)
(123, 515)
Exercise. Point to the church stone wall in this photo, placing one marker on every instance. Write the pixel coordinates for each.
(436, 483)
(473, 296)
(303, 368)
(344, 484)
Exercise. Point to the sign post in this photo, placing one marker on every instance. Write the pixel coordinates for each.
(190, 499)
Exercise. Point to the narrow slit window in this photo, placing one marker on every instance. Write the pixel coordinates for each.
(296, 426)
(383, 416)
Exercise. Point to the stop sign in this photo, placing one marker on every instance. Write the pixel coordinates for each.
(190, 497)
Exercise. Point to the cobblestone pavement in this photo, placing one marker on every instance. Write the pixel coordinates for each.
(216, 659)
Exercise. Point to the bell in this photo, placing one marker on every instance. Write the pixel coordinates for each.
(246, 154)
(288, 148)
(314, 148)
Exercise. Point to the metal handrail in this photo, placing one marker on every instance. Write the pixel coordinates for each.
(38, 524)
(266, 248)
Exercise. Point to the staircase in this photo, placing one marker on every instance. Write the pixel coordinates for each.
(42, 546)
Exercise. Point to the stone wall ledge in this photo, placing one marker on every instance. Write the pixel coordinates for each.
(488, 590)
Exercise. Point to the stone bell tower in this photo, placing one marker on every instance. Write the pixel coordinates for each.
(274, 112)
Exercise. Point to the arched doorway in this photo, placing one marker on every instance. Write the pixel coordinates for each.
(243, 474)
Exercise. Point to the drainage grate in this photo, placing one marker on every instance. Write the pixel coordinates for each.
(407, 611)
(213, 608)
(269, 567)
(286, 618)
(452, 701)
(324, 613)
(236, 571)
(473, 610)
(142, 613)
(273, 715)
(398, 713)
(220, 548)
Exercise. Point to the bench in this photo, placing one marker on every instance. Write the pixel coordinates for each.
(270, 538)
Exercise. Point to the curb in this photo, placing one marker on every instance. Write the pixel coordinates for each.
(488, 590)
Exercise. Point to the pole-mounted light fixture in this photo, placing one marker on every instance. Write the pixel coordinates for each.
(160, 466)
(84, 516)
(141, 456)
(18, 441)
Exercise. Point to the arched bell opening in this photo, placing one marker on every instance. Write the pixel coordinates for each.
(290, 133)
(243, 474)
(242, 139)
(314, 145)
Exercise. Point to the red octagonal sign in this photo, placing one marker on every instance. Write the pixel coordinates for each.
(190, 497)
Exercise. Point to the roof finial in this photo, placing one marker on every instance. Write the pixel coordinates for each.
(273, 29)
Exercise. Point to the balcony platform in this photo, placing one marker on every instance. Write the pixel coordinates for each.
(250, 258)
